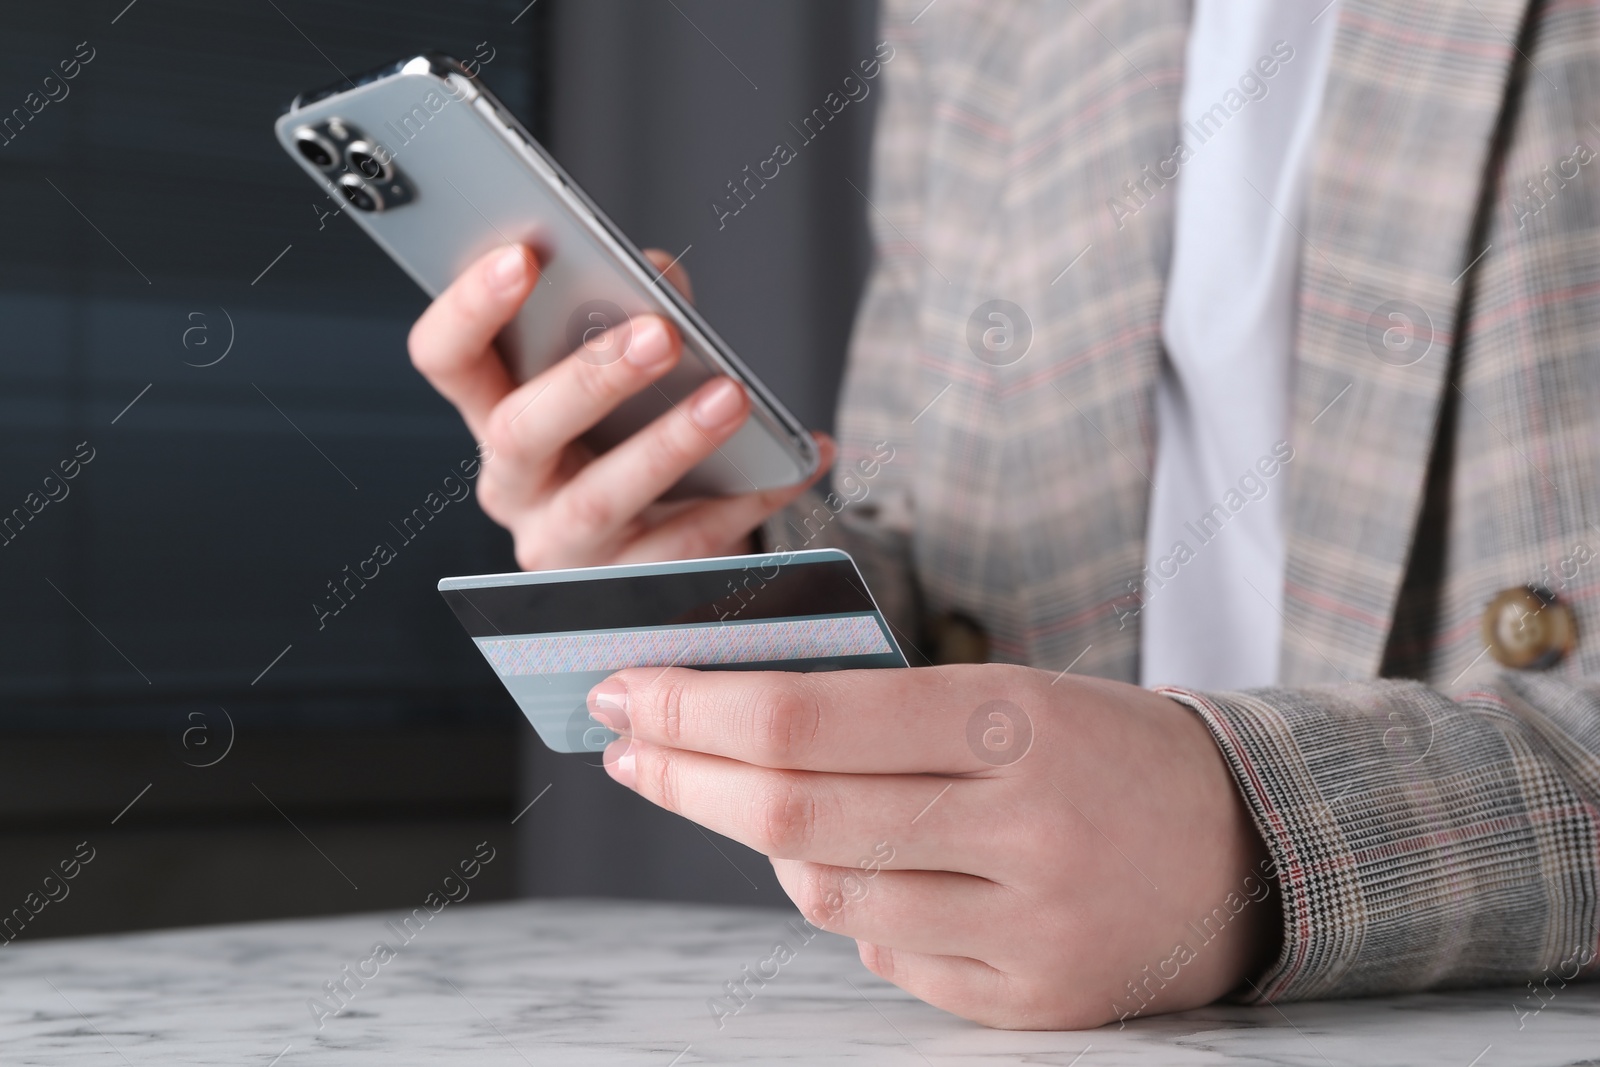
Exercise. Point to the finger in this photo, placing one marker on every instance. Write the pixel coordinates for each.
(452, 343)
(672, 270)
(712, 527)
(531, 426)
(899, 721)
(625, 480)
(897, 821)
(966, 987)
(920, 911)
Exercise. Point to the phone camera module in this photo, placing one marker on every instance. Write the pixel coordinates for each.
(316, 148)
(360, 194)
(369, 162)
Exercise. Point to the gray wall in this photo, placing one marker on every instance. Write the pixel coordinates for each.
(654, 120)
(151, 599)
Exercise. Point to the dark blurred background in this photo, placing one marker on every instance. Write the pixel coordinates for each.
(181, 303)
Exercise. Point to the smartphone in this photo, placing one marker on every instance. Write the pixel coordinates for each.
(550, 636)
(438, 173)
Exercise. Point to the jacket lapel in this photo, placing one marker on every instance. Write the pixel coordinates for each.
(1414, 96)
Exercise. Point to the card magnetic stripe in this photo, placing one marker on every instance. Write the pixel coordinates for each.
(688, 646)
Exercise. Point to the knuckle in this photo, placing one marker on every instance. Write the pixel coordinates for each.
(783, 722)
(705, 540)
(491, 496)
(500, 432)
(668, 703)
(519, 516)
(658, 767)
(430, 354)
(786, 818)
(676, 447)
(598, 385)
(880, 960)
(530, 554)
(587, 512)
(771, 500)
(538, 544)
(815, 897)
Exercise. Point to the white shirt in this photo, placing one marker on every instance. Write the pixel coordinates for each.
(1213, 589)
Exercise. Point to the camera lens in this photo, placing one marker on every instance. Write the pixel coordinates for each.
(359, 193)
(369, 162)
(315, 148)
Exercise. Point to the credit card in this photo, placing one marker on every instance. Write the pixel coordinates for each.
(551, 635)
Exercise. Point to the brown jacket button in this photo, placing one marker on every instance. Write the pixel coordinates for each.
(1528, 627)
(958, 639)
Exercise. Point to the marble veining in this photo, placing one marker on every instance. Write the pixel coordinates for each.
(583, 982)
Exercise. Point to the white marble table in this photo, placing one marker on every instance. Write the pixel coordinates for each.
(551, 983)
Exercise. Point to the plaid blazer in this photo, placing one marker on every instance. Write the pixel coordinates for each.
(1435, 819)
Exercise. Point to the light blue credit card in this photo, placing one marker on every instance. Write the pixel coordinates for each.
(551, 635)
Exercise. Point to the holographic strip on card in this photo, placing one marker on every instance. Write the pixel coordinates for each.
(824, 637)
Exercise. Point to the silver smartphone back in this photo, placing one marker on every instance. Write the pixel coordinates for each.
(439, 173)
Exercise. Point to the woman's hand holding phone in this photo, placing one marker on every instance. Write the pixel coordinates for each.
(564, 505)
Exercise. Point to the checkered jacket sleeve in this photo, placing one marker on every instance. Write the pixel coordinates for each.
(1420, 841)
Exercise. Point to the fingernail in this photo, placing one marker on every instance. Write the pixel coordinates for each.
(510, 270)
(608, 706)
(621, 768)
(649, 346)
(722, 404)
